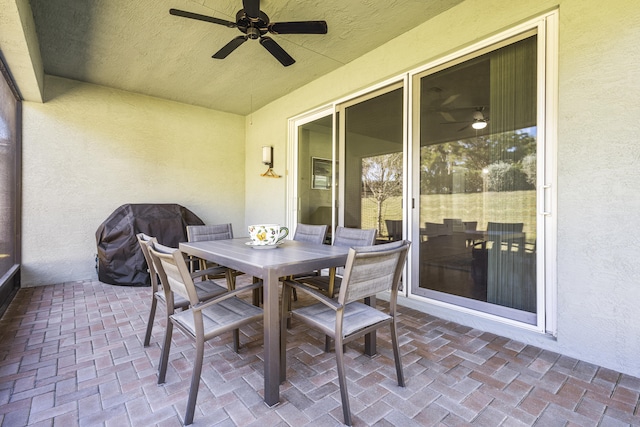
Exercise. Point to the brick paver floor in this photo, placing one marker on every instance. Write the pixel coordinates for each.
(71, 355)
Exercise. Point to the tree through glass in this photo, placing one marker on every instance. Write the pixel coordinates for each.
(373, 153)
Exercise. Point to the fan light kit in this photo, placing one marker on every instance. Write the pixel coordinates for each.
(255, 24)
(479, 122)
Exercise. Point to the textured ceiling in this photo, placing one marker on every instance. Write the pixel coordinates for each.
(139, 47)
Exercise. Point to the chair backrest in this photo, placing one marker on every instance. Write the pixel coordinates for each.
(394, 228)
(505, 227)
(453, 224)
(434, 229)
(173, 271)
(310, 233)
(354, 237)
(470, 225)
(373, 269)
(199, 233)
(143, 239)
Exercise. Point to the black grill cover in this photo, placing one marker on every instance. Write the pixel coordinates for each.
(120, 259)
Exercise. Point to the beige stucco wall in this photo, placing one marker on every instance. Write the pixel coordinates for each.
(598, 159)
(89, 149)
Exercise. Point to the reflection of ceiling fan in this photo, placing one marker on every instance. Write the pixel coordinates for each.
(255, 24)
(479, 121)
(442, 107)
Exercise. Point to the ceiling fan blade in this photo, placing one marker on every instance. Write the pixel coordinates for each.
(447, 116)
(229, 47)
(185, 14)
(251, 8)
(450, 99)
(275, 50)
(301, 27)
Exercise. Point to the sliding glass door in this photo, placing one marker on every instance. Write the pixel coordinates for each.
(10, 184)
(476, 123)
(313, 201)
(466, 173)
(371, 162)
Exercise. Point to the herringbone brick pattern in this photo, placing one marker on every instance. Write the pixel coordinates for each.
(72, 355)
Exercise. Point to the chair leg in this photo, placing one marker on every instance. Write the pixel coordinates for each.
(231, 280)
(152, 316)
(236, 340)
(346, 410)
(288, 304)
(327, 344)
(396, 354)
(195, 381)
(164, 356)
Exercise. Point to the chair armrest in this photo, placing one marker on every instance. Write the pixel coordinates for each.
(190, 259)
(209, 271)
(329, 302)
(226, 295)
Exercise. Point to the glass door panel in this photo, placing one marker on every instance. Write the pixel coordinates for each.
(476, 124)
(371, 138)
(315, 172)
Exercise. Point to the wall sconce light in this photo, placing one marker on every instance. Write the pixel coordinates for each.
(267, 159)
(267, 156)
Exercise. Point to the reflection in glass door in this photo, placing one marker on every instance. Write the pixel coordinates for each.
(315, 172)
(371, 143)
(476, 124)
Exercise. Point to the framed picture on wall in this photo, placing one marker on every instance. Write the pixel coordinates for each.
(321, 172)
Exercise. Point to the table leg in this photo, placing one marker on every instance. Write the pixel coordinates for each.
(370, 338)
(271, 340)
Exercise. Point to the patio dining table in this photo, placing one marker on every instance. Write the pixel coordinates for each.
(290, 257)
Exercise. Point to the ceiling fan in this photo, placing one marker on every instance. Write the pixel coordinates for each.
(479, 120)
(255, 24)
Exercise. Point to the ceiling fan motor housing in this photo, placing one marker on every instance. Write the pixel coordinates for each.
(254, 28)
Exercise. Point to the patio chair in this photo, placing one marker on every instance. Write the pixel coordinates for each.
(200, 233)
(206, 289)
(345, 237)
(312, 234)
(368, 270)
(330, 285)
(204, 320)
